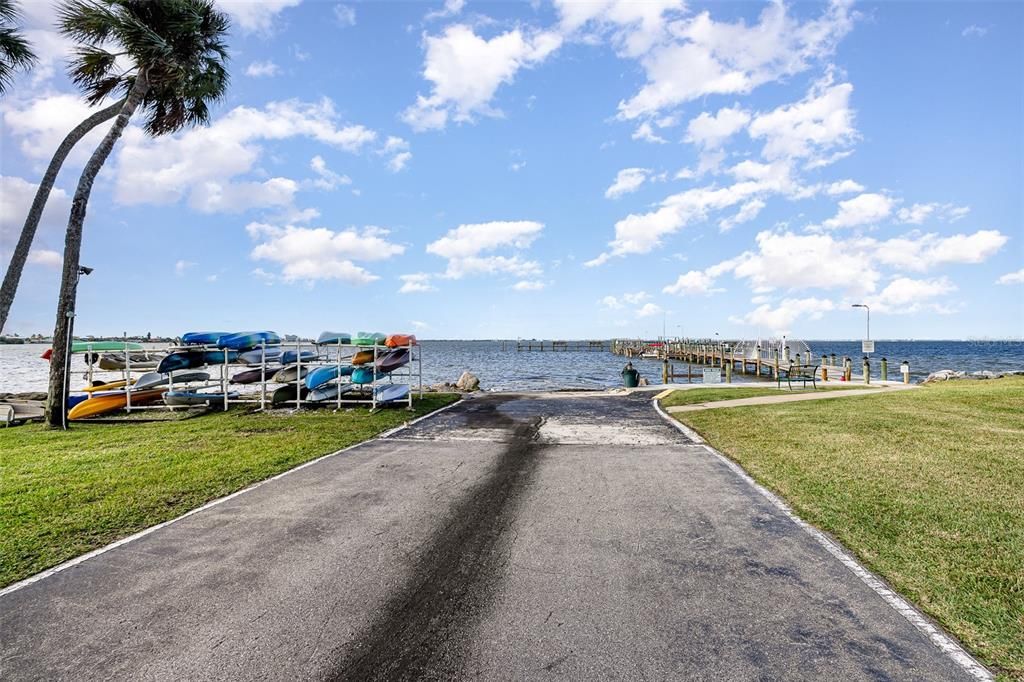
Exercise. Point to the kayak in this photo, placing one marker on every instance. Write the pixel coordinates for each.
(334, 337)
(396, 340)
(328, 392)
(109, 386)
(201, 338)
(321, 375)
(248, 340)
(96, 346)
(154, 379)
(102, 404)
(181, 398)
(289, 375)
(362, 357)
(393, 360)
(286, 394)
(362, 375)
(290, 356)
(255, 357)
(115, 361)
(192, 359)
(368, 338)
(391, 393)
(251, 376)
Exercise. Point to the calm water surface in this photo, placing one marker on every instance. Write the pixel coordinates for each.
(21, 368)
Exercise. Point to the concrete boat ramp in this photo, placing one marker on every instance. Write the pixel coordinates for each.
(527, 537)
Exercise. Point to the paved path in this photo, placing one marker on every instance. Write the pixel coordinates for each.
(575, 538)
(784, 398)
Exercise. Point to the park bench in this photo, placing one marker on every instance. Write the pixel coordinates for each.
(799, 373)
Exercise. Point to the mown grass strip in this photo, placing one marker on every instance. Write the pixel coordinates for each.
(65, 493)
(692, 396)
(926, 487)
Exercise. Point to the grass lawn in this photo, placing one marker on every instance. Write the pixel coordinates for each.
(708, 395)
(925, 486)
(67, 492)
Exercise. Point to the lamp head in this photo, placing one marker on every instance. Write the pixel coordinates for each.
(83, 270)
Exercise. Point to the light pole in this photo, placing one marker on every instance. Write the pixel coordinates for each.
(67, 356)
(865, 307)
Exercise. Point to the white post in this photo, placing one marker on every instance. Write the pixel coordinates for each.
(127, 379)
(298, 376)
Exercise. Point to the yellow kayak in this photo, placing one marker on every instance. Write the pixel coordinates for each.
(101, 404)
(112, 386)
(362, 357)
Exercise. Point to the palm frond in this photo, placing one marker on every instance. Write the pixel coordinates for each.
(15, 52)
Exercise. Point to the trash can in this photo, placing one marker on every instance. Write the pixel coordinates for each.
(630, 377)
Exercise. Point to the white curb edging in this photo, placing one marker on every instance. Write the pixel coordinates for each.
(940, 639)
(14, 587)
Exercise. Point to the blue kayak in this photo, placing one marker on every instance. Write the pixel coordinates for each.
(247, 340)
(255, 357)
(362, 375)
(201, 338)
(321, 375)
(329, 392)
(191, 359)
(334, 337)
(391, 393)
(290, 357)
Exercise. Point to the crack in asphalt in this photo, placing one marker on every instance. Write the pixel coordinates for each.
(425, 628)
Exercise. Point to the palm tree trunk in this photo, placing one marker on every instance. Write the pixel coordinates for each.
(28, 232)
(56, 400)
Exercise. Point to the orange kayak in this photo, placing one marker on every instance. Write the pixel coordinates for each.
(109, 386)
(362, 357)
(396, 340)
(101, 404)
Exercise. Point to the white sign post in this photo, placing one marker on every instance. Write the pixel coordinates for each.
(712, 375)
(867, 346)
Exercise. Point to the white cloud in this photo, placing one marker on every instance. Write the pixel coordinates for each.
(327, 179)
(345, 15)
(779, 320)
(863, 209)
(636, 297)
(923, 252)
(808, 128)
(747, 212)
(634, 26)
(43, 122)
(646, 133)
(311, 254)
(693, 283)
(416, 282)
(628, 180)
(466, 71)
(203, 163)
(974, 31)
(844, 187)
(398, 150)
(419, 325)
(918, 213)
(464, 246)
(710, 131)
(707, 57)
(183, 266)
(264, 69)
(528, 285)
(905, 295)
(649, 310)
(255, 16)
(451, 8)
(46, 258)
(16, 197)
(1012, 278)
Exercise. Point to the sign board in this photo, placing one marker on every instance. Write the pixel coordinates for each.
(867, 346)
(712, 375)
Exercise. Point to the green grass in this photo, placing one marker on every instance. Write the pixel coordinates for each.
(926, 487)
(709, 395)
(64, 493)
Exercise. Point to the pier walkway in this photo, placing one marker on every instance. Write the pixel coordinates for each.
(787, 398)
(509, 537)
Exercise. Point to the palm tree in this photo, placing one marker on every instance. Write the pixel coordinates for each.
(14, 50)
(177, 58)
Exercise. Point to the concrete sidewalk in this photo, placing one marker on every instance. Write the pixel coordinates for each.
(510, 537)
(786, 398)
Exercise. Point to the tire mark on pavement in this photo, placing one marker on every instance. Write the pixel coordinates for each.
(424, 629)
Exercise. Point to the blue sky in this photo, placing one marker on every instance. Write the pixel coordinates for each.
(566, 170)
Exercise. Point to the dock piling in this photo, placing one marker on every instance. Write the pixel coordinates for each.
(867, 370)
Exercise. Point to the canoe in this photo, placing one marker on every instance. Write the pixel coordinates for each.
(321, 375)
(328, 392)
(96, 346)
(290, 357)
(255, 357)
(115, 361)
(334, 337)
(287, 394)
(396, 340)
(393, 360)
(248, 340)
(192, 359)
(289, 375)
(102, 404)
(17, 411)
(362, 357)
(368, 338)
(201, 338)
(109, 386)
(154, 379)
(362, 375)
(251, 376)
(391, 393)
(183, 398)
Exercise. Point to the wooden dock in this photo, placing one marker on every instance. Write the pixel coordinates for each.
(585, 345)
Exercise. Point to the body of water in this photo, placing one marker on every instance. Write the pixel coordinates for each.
(22, 370)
